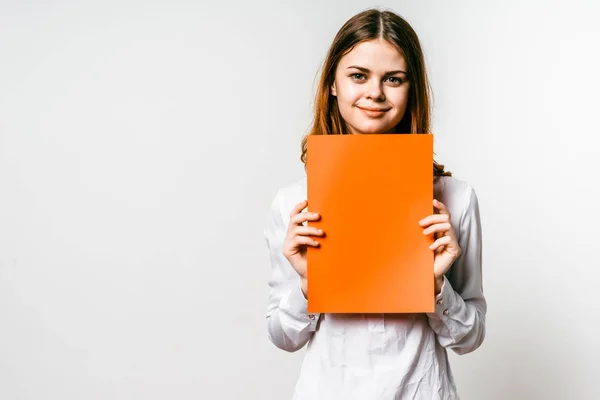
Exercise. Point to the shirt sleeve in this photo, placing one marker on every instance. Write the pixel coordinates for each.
(289, 325)
(460, 307)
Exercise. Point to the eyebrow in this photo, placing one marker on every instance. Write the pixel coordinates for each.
(386, 74)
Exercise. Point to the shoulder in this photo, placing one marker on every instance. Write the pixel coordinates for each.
(453, 188)
(452, 185)
(458, 195)
(289, 195)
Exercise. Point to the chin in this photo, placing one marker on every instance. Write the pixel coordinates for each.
(373, 129)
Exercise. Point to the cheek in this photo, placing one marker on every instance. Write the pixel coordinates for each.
(399, 103)
(399, 98)
(349, 94)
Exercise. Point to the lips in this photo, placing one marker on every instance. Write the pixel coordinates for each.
(374, 109)
(373, 112)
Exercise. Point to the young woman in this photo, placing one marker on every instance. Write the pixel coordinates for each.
(374, 81)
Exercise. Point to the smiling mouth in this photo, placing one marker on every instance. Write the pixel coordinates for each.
(374, 109)
(373, 112)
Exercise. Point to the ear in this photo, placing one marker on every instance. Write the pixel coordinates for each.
(333, 91)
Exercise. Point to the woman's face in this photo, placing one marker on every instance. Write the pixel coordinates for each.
(371, 77)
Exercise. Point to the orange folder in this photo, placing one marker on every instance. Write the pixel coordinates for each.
(371, 191)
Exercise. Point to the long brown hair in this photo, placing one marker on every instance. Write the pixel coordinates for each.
(368, 25)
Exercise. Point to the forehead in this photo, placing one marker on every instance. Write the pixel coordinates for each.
(376, 54)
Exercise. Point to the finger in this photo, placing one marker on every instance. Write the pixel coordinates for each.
(444, 240)
(298, 219)
(441, 227)
(300, 240)
(298, 207)
(434, 219)
(307, 231)
(441, 207)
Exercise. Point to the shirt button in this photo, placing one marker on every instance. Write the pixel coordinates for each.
(311, 316)
(446, 311)
(440, 301)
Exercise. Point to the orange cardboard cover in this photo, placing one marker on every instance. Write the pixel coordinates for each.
(371, 191)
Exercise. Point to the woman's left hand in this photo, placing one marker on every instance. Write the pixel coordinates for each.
(445, 247)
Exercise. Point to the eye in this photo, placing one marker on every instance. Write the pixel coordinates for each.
(397, 80)
(356, 76)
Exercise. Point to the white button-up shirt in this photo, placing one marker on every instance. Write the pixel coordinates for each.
(380, 356)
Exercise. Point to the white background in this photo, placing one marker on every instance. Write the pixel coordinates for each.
(141, 143)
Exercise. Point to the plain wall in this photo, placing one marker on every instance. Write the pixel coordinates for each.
(141, 144)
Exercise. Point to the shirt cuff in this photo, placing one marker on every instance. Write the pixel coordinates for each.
(444, 301)
(298, 307)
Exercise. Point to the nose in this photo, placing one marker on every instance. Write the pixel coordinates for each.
(375, 92)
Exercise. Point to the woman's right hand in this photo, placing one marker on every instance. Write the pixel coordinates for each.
(298, 238)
